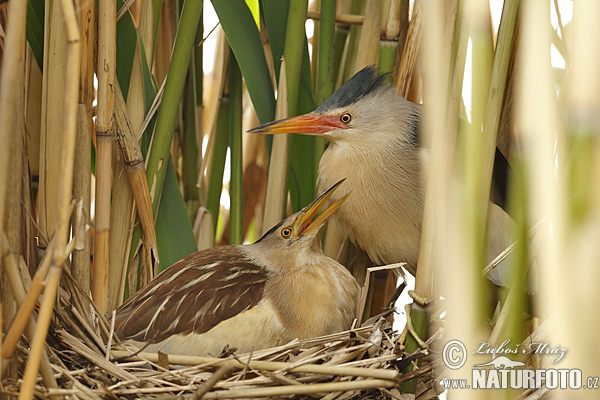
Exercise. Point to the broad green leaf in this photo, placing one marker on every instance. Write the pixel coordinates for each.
(126, 42)
(156, 13)
(243, 37)
(35, 29)
(275, 15)
(174, 232)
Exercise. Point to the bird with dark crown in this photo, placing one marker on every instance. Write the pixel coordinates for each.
(248, 297)
(373, 136)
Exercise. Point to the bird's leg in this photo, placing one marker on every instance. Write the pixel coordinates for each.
(420, 300)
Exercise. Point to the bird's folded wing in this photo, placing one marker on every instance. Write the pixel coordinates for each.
(193, 295)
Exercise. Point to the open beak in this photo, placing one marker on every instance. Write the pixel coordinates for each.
(314, 124)
(305, 225)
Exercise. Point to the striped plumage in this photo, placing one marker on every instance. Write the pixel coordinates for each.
(247, 296)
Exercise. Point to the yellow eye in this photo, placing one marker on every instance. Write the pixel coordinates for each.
(286, 232)
(346, 118)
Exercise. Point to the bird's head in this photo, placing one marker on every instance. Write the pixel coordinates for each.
(297, 237)
(362, 111)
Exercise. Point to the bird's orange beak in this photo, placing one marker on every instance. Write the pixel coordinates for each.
(313, 124)
(305, 225)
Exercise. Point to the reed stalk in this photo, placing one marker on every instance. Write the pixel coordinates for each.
(388, 42)
(408, 61)
(276, 197)
(243, 363)
(104, 138)
(292, 52)
(16, 285)
(190, 151)
(58, 256)
(81, 266)
(325, 81)
(167, 114)
(349, 56)
(11, 62)
(236, 223)
(368, 45)
(436, 58)
(219, 152)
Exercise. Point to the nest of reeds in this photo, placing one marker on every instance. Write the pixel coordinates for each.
(89, 362)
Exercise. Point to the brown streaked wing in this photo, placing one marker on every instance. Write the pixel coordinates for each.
(192, 295)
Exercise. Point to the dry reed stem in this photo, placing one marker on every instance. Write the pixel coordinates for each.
(360, 306)
(11, 61)
(53, 86)
(497, 88)
(63, 201)
(82, 192)
(303, 389)
(106, 87)
(368, 45)
(535, 120)
(81, 265)
(39, 337)
(215, 91)
(18, 290)
(136, 173)
(343, 19)
(410, 54)
(263, 365)
(204, 229)
(25, 310)
(276, 198)
(216, 377)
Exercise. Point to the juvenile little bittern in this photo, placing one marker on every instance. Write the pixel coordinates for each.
(373, 136)
(249, 297)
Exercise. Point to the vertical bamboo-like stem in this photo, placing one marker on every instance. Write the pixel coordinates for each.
(388, 43)
(581, 299)
(325, 82)
(53, 84)
(82, 172)
(11, 61)
(104, 134)
(348, 64)
(473, 209)
(368, 45)
(219, 152)
(535, 125)
(236, 234)
(167, 114)
(435, 66)
(293, 51)
(122, 215)
(190, 143)
(136, 174)
(276, 198)
(408, 61)
(315, 6)
(63, 201)
(11, 78)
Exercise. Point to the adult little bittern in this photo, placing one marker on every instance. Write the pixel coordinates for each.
(247, 296)
(373, 136)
